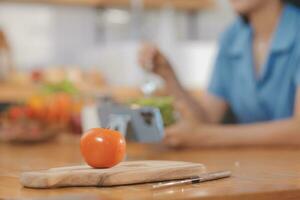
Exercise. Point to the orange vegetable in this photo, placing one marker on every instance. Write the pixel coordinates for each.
(37, 106)
(102, 148)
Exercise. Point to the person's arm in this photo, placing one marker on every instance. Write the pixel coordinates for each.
(210, 109)
(283, 132)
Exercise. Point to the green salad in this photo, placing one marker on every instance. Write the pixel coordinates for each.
(63, 86)
(164, 104)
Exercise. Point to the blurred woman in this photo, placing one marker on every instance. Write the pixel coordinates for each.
(256, 75)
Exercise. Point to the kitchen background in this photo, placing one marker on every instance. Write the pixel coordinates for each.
(43, 36)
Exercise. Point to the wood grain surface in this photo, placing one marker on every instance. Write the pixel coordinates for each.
(258, 173)
(131, 172)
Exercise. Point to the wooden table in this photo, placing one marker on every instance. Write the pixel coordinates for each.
(257, 173)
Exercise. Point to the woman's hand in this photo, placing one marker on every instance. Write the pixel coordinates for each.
(186, 134)
(151, 59)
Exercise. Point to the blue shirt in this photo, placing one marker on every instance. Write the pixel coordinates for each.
(271, 95)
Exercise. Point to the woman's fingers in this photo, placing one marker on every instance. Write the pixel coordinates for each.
(171, 142)
(182, 134)
(151, 59)
(172, 138)
(146, 56)
(185, 112)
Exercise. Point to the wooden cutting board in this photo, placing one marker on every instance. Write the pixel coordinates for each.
(131, 172)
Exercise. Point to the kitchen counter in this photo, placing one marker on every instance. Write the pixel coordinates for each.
(258, 173)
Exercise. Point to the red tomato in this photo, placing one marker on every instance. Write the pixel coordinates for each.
(29, 112)
(102, 148)
(16, 113)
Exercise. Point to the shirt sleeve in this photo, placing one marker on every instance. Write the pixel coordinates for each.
(297, 75)
(219, 82)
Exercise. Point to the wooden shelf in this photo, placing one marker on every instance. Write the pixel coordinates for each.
(13, 94)
(189, 5)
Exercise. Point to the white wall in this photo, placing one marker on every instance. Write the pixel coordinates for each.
(43, 35)
(28, 29)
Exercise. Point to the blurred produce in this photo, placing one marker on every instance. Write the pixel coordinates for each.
(26, 131)
(21, 85)
(56, 77)
(62, 86)
(43, 116)
(79, 78)
(164, 104)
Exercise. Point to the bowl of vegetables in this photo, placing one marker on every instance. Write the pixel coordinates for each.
(40, 118)
(164, 104)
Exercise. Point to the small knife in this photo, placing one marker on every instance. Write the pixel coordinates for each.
(194, 180)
